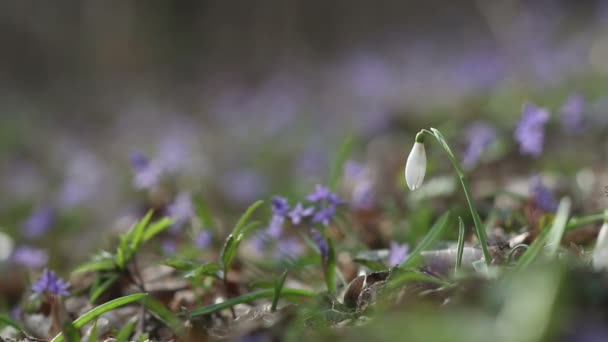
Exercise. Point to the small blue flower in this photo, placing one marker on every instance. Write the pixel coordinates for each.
(181, 210)
(299, 212)
(541, 195)
(479, 135)
(280, 207)
(275, 228)
(572, 111)
(203, 239)
(530, 131)
(319, 194)
(39, 222)
(397, 253)
(29, 256)
(146, 173)
(324, 214)
(289, 247)
(49, 283)
(320, 242)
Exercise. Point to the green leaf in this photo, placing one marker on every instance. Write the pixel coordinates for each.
(554, 235)
(180, 264)
(93, 335)
(98, 290)
(330, 268)
(100, 310)
(232, 241)
(136, 234)
(7, 321)
(203, 212)
(71, 333)
(96, 266)
(209, 269)
(228, 251)
(126, 331)
(460, 243)
(249, 297)
(243, 220)
(337, 168)
(431, 237)
(157, 227)
(278, 286)
(165, 315)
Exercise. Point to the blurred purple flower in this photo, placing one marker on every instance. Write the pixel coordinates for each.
(299, 212)
(530, 132)
(280, 207)
(320, 242)
(542, 196)
(353, 169)
(181, 210)
(29, 256)
(572, 114)
(290, 247)
(322, 193)
(169, 246)
(397, 253)
(479, 135)
(39, 222)
(275, 228)
(324, 214)
(364, 195)
(51, 284)
(203, 239)
(146, 173)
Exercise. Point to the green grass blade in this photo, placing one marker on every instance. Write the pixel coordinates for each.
(431, 237)
(93, 335)
(555, 234)
(157, 227)
(100, 310)
(460, 244)
(71, 333)
(7, 321)
(243, 220)
(96, 266)
(165, 315)
(136, 234)
(249, 297)
(126, 331)
(100, 289)
(278, 286)
(330, 267)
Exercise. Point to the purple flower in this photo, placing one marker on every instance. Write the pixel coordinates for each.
(298, 213)
(322, 193)
(542, 196)
(203, 239)
(275, 228)
(324, 214)
(49, 283)
(572, 114)
(364, 195)
(181, 210)
(289, 247)
(39, 222)
(397, 254)
(353, 169)
(530, 132)
(280, 207)
(480, 135)
(29, 257)
(146, 173)
(320, 242)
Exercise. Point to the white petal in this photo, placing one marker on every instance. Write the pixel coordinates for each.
(415, 166)
(600, 253)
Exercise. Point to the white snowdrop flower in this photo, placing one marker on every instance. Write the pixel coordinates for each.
(600, 253)
(416, 164)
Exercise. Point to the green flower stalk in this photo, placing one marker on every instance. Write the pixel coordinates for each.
(415, 169)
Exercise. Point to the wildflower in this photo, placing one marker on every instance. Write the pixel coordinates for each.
(363, 195)
(600, 253)
(323, 194)
(280, 207)
(29, 256)
(146, 173)
(49, 283)
(39, 222)
(480, 135)
(572, 114)
(530, 133)
(299, 212)
(541, 195)
(397, 253)
(275, 228)
(181, 210)
(320, 242)
(415, 166)
(324, 214)
(203, 239)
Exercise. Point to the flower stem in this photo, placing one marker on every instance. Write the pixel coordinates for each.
(479, 228)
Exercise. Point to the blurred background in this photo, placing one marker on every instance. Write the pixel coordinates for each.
(239, 99)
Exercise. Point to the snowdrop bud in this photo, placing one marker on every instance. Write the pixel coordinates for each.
(416, 164)
(600, 254)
